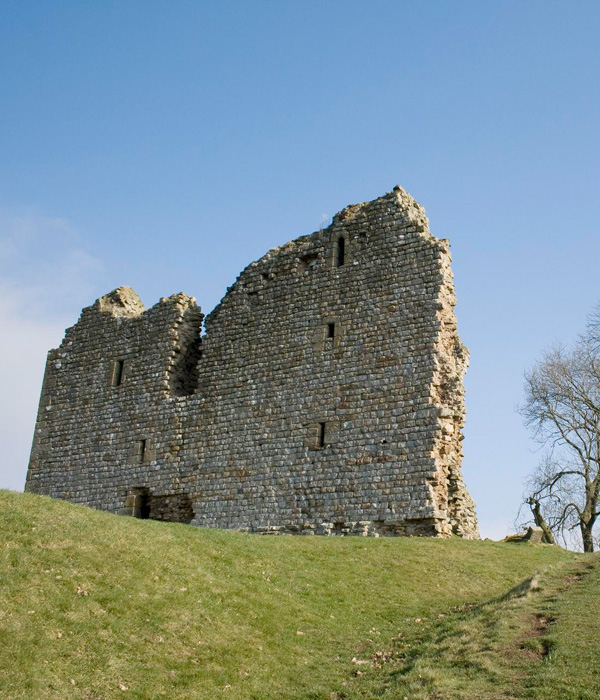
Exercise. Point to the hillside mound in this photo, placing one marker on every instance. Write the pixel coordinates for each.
(95, 606)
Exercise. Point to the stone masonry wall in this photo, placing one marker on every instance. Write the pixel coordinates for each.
(325, 397)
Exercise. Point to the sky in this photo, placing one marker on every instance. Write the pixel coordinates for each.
(167, 145)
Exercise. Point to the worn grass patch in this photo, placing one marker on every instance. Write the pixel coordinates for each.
(520, 645)
(93, 606)
(571, 639)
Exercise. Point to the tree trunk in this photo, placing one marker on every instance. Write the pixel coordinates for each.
(587, 519)
(540, 521)
(586, 536)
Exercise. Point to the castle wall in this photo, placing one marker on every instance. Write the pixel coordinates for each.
(326, 396)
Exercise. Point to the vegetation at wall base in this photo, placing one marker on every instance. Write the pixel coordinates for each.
(96, 607)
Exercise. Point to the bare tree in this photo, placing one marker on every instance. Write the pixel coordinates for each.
(562, 407)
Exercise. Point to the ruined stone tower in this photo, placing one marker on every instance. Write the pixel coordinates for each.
(325, 397)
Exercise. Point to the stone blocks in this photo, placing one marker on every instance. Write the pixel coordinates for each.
(325, 397)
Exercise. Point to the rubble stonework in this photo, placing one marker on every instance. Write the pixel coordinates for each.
(325, 397)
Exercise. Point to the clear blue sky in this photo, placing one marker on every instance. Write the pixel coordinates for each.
(165, 145)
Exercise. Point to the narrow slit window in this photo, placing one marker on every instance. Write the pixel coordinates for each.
(140, 450)
(341, 251)
(331, 330)
(117, 375)
(321, 434)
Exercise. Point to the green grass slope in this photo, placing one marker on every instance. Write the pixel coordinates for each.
(94, 606)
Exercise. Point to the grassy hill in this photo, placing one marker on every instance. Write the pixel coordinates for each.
(94, 606)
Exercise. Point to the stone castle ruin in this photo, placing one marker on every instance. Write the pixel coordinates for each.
(325, 396)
